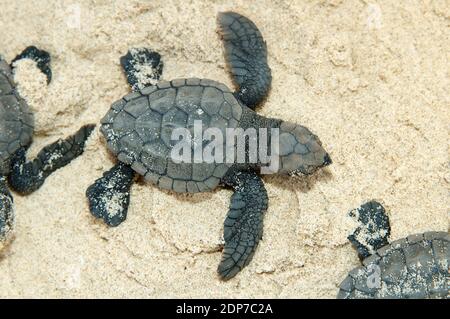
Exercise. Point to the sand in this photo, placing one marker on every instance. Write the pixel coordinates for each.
(371, 79)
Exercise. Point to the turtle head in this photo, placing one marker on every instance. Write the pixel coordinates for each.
(300, 151)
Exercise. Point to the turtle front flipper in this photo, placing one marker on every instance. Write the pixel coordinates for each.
(6, 211)
(243, 226)
(373, 231)
(246, 57)
(26, 177)
(41, 57)
(109, 196)
(143, 67)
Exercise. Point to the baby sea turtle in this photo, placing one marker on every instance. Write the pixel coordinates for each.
(413, 267)
(16, 132)
(139, 130)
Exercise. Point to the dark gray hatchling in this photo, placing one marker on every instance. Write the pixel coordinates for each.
(413, 267)
(16, 132)
(138, 129)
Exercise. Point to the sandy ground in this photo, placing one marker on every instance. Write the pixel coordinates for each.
(371, 79)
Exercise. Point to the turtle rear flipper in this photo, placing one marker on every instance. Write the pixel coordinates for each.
(143, 67)
(41, 57)
(373, 231)
(109, 196)
(26, 177)
(243, 226)
(246, 57)
(6, 211)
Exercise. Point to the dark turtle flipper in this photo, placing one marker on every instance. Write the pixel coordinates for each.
(41, 57)
(109, 196)
(243, 226)
(246, 57)
(6, 210)
(143, 67)
(26, 177)
(373, 231)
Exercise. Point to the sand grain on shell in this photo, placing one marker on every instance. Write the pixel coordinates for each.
(369, 79)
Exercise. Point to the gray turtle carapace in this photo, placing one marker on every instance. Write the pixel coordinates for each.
(138, 130)
(412, 267)
(16, 132)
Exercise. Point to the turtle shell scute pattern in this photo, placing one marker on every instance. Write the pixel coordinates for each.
(415, 267)
(138, 129)
(16, 119)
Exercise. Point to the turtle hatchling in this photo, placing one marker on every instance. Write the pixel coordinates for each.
(16, 132)
(140, 128)
(414, 267)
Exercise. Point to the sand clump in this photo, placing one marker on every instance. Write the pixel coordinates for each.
(370, 79)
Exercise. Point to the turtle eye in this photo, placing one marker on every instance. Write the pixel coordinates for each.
(327, 160)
